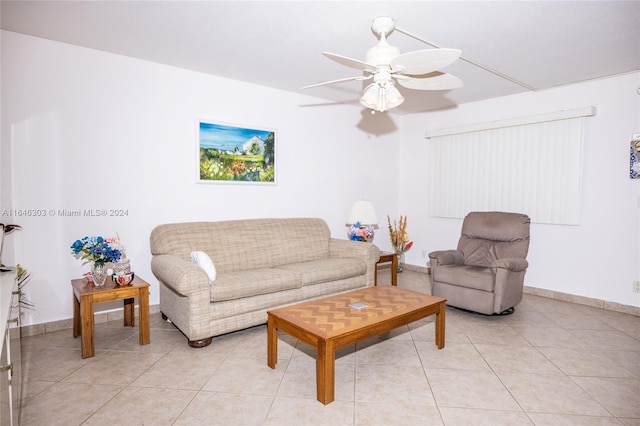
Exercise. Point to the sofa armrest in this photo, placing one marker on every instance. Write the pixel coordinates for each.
(513, 264)
(369, 252)
(347, 248)
(446, 257)
(181, 275)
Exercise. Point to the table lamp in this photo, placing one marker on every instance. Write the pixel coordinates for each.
(362, 221)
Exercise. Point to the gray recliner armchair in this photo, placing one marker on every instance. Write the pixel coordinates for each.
(486, 272)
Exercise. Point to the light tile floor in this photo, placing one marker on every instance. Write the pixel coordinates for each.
(549, 363)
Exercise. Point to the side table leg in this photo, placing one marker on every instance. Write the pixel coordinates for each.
(88, 337)
(325, 371)
(440, 326)
(77, 325)
(375, 274)
(394, 270)
(143, 300)
(129, 313)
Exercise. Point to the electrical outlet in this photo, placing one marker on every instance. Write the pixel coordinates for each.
(424, 254)
(636, 286)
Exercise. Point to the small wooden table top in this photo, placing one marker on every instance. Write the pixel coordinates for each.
(86, 294)
(331, 323)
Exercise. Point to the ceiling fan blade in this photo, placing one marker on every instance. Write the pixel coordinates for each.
(349, 62)
(340, 80)
(432, 81)
(425, 61)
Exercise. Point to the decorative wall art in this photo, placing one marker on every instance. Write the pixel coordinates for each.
(232, 154)
(634, 160)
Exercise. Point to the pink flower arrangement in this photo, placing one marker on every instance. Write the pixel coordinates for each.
(358, 232)
(398, 234)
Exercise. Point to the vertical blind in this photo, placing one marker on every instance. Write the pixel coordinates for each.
(532, 167)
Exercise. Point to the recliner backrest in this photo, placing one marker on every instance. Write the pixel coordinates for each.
(488, 236)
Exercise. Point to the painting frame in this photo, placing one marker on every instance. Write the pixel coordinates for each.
(634, 158)
(231, 153)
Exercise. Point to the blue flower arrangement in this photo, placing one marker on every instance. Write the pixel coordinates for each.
(97, 250)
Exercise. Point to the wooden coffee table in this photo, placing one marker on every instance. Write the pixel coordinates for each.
(331, 323)
(85, 295)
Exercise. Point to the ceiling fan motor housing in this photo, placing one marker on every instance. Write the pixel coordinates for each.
(382, 54)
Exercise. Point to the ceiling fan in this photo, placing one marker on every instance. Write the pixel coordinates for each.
(385, 64)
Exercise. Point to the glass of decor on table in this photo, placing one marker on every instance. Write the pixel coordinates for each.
(399, 239)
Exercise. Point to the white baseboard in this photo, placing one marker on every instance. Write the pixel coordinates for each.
(67, 324)
(32, 330)
(582, 300)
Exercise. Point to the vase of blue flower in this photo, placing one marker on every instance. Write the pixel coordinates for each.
(98, 252)
(98, 274)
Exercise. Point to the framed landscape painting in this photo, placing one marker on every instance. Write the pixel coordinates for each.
(232, 154)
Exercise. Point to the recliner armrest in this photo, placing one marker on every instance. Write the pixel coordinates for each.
(446, 257)
(513, 264)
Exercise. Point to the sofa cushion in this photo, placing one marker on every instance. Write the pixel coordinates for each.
(239, 245)
(326, 270)
(472, 276)
(252, 282)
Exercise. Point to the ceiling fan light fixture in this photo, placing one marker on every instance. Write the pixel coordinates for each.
(381, 97)
(394, 97)
(369, 98)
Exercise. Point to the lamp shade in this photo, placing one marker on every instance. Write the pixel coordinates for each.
(363, 212)
(393, 97)
(370, 97)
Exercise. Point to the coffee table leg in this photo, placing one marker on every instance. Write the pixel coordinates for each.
(272, 343)
(440, 319)
(325, 371)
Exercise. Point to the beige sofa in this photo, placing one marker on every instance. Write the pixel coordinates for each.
(260, 264)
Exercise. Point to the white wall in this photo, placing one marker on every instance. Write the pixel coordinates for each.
(83, 129)
(599, 258)
(92, 130)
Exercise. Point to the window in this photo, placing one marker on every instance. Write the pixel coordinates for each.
(527, 165)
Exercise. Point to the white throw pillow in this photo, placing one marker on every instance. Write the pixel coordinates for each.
(203, 260)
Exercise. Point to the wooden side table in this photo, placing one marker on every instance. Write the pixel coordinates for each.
(86, 294)
(384, 258)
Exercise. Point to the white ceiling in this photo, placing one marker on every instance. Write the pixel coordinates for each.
(542, 44)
